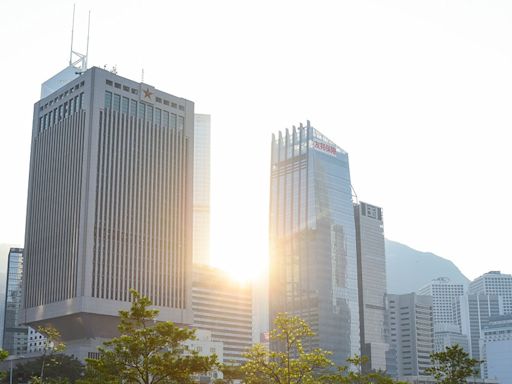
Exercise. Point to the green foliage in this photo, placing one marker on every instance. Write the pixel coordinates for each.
(452, 366)
(230, 373)
(345, 375)
(147, 351)
(59, 368)
(291, 364)
(3, 354)
(51, 346)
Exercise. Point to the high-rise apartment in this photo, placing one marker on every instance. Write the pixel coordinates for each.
(371, 273)
(411, 332)
(223, 307)
(313, 260)
(109, 205)
(494, 283)
(473, 312)
(201, 206)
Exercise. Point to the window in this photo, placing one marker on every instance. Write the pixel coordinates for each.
(124, 107)
(181, 122)
(166, 102)
(158, 116)
(133, 108)
(158, 100)
(149, 113)
(80, 100)
(173, 120)
(117, 102)
(165, 118)
(117, 85)
(142, 111)
(108, 82)
(60, 112)
(134, 91)
(125, 88)
(108, 100)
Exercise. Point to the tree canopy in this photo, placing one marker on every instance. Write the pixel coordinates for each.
(452, 366)
(147, 351)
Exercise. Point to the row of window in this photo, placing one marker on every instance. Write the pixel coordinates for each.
(62, 111)
(138, 109)
(62, 95)
(136, 92)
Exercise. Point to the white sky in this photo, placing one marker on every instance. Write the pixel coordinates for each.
(419, 93)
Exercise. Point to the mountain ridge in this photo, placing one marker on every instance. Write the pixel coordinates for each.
(408, 269)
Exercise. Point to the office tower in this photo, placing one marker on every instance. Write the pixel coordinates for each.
(313, 261)
(494, 283)
(201, 206)
(109, 206)
(443, 293)
(371, 277)
(411, 332)
(14, 332)
(224, 307)
(473, 313)
(497, 349)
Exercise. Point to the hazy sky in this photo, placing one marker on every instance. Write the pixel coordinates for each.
(419, 93)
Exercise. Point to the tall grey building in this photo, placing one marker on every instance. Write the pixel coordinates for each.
(411, 332)
(473, 312)
(494, 283)
(224, 307)
(201, 206)
(109, 205)
(313, 260)
(14, 332)
(371, 262)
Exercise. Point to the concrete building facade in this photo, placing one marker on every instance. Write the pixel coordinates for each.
(411, 332)
(371, 277)
(497, 349)
(494, 283)
(109, 205)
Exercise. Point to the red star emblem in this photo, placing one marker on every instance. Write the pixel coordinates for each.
(147, 93)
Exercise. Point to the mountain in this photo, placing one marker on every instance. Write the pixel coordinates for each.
(408, 269)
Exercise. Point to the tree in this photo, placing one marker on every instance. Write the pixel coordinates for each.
(51, 345)
(230, 373)
(345, 375)
(57, 367)
(147, 351)
(452, 366)
(291, 364)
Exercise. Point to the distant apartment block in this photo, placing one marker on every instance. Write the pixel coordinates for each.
(494, 283)
(497, 349)
(18, 339)
(411, 332)
(447, 335)
(371, 262)
(473, 312)
(223, 307)
(443, 293)
(201, 206)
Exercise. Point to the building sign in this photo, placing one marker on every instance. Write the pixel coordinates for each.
(146, 93)
(327, 148)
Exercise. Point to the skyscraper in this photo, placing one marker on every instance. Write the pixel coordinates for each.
(313, 262)
(109, 205)
(411, 332)
(371, 273)
(473, 312)
(224, 307)
(494, 283)
(14, 332)
(201, 207)
(444, 293)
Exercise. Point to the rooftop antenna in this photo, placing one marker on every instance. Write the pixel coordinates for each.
(80, 62)
(142, 76)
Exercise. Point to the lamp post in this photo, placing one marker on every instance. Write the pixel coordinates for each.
(11, 358)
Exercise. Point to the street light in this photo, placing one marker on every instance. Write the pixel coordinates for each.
(11, 358)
